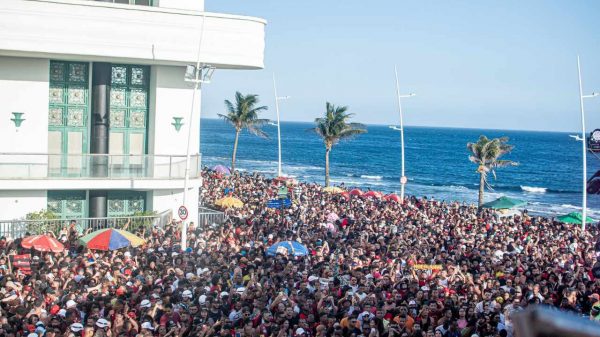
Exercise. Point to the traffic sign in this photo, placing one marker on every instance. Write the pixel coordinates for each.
(182, 212)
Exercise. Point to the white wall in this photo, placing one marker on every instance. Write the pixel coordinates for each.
(195, 5)
(172, 97)
(24, 88)
(16, 204)
(171, 199)
(101, 31)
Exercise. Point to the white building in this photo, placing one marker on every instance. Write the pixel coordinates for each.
(91, 93)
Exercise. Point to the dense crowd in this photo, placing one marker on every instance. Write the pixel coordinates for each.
(374, 268)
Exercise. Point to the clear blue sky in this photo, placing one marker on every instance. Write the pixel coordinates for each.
(477, 64)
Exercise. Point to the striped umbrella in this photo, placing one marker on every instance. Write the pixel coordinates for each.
(42, 243)
(111, 239)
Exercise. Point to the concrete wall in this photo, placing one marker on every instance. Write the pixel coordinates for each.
(161, 200)
(195, 5)
(24, 88)
(92, 31)
(172, 97)
(16, 204)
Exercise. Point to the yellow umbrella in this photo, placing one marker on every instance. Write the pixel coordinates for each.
(333, 189)
(229, 202)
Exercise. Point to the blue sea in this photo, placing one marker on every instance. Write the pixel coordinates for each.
(437, 164)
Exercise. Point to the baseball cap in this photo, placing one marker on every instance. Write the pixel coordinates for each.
(145, 304)
(187, 293)
(102, 323)
(147, 325)
(76, 327)
(71, 304)
(300, 331)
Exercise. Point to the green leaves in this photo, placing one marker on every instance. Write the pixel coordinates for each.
(243, 114)
(334, 126)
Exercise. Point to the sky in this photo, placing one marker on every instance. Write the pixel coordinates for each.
(473, 64)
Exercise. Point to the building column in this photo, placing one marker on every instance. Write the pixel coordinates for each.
(100, 128)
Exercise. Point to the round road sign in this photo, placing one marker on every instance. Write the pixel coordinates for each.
(182, 212)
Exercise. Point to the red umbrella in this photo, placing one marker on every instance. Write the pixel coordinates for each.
(373, 194)
(346, 195)
(43, 243)
(392, 197)
(356, 191)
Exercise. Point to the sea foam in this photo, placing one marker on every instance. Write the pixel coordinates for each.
(532, 189)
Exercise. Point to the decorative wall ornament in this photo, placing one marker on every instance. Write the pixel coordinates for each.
(75, 117)
(177, 123)
(18, 118)
(117, 118)
(138, 119)
(55, 116)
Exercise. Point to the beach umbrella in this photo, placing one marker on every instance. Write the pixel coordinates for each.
(42, 243)
(293, 248)
(346, 195)
(333, 190)
(332, 217)
(574, 218)
(356, 191)
(229, 202)
(392, 197)
(111, 239)
(222, 169)
(504, 203)
(373, 194)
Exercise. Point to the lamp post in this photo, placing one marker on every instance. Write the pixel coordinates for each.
(583, 145)
(277, 99)
(403, 178)
(198, 74)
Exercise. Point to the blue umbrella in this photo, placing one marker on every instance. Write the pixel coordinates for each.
(293, 248)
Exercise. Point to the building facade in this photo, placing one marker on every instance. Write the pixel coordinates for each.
(95, 114)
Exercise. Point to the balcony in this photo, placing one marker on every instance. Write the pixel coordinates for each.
(114, 32)
(96, 166)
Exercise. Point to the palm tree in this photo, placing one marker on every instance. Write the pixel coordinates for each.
(335, 127)
(244, 115)
(486, 153)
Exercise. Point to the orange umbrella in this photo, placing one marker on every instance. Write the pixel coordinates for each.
(42, 243)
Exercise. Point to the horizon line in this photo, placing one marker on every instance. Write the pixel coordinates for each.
(437, 127)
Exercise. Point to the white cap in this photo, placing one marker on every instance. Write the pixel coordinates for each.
(300, 331)
(62, 313)
(187, 293)
(174, 254)
(32, 335)
(223, 294)
(189, 275)
(241, 290)
(312, 278)
(202, 299)
(102, 323)
(127, 254)
(71, 304)
(145, 304)
(147, 325)
(76, 327)
(412, 303)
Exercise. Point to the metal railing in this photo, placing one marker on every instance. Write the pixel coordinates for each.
(20, 228)
(95, 166)
(208, 216)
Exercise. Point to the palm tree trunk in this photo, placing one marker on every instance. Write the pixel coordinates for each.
(237, 135)
(327, 150)
(481, 187)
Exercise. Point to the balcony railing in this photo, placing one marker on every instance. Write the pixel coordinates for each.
(96, 166)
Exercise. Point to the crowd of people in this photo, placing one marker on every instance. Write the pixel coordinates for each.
(374, 268)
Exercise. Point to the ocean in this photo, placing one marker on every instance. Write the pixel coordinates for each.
(436, 162)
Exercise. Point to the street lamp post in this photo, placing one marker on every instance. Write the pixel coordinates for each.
(277, 99)
(403, 178)
(199, 74)
(583, 145)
